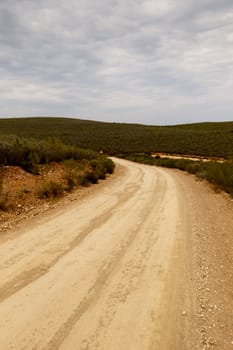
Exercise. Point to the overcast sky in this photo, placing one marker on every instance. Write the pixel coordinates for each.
(152, 62)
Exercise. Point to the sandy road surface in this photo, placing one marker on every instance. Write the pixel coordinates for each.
(113, 271)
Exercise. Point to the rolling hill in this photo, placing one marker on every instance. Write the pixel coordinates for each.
(204, 139)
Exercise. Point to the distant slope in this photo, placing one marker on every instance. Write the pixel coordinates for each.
(206, 139)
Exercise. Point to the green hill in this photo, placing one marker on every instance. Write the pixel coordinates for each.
(205, 139)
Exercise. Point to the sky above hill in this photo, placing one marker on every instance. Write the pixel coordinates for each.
(152, 62)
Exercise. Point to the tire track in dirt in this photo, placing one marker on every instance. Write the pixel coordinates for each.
(119, 270)
(81, 276)
(107, 272)
(26, 277)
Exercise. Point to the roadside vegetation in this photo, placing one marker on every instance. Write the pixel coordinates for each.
(74, 166)
(220, 174)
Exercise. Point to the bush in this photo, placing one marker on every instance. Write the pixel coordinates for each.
(108, 165)
(70, 163)
(92, 177)
(193, 167)
(50, 189)
(83, 180)
(71, 182)
(29, 153)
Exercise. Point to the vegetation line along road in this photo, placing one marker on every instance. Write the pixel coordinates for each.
(217, 173)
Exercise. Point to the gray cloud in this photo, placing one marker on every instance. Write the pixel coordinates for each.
(134, 61)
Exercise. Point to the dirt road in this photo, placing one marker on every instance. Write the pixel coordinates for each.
(127, 267)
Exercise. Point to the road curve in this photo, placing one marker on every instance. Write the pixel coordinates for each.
(109, 272)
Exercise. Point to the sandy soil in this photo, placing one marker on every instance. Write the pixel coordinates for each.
(188, 157)
(21, 190)
(142, 261)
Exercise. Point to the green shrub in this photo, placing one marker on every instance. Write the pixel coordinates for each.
(193, 167)
(70, 163)
(83, 180)
(108, 165)
(71, 182)
(29, 153)
(92, 177)
(50, 189)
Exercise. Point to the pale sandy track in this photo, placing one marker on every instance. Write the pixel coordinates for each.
(112, 272)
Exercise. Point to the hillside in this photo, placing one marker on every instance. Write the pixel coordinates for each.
(206, 139)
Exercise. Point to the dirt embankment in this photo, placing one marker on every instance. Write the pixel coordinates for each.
(141, 261)
(24, 195)
(20, 192)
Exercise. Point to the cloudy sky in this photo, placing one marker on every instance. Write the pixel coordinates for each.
(152, 61)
